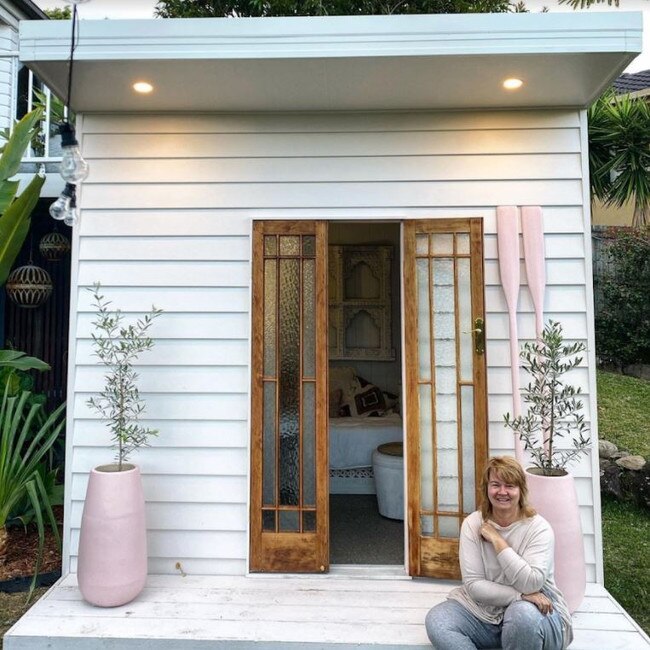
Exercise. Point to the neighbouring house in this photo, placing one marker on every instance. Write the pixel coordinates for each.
(310, 194)
(637, 86)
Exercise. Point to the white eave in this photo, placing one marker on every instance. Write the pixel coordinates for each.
(336, 63)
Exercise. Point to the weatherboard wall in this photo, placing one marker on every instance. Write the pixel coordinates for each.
(166, 219)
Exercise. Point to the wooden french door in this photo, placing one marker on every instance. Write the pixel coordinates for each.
(289, 456)
(446, 384)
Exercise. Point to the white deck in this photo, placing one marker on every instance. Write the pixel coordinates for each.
(276, 612)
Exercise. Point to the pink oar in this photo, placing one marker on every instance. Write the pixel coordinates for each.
(508, 244)
(532, 229)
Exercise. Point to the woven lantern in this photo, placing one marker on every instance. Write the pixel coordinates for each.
(29, 286)
(54, 246)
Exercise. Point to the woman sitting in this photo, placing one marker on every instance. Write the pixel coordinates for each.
(508, 598)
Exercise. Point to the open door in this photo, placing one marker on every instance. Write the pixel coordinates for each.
(446, 387)
(289, 476)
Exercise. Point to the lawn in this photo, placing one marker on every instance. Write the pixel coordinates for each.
(624, 419)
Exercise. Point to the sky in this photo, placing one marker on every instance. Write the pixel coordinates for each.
(99, 9)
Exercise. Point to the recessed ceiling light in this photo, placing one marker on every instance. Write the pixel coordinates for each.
(513, 84)
(142, 87)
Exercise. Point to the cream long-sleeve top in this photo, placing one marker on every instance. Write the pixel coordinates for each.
(491, 582)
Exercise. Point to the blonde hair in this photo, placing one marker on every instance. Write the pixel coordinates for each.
(509, 471)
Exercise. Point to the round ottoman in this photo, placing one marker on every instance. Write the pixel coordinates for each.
(388, 467)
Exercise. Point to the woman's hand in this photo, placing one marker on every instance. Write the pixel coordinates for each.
(490, 534)
(540, 601)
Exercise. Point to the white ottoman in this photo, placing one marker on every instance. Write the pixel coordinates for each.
(388, 467)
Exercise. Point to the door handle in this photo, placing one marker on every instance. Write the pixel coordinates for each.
(479, 336)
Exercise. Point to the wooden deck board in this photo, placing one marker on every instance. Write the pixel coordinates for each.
(269, 613)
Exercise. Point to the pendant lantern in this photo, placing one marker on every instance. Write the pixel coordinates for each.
(29, 286)
(54, 246)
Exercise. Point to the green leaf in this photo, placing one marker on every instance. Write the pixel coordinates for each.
(14, 226)
(8, 190)
(15, 148)
(20, 361)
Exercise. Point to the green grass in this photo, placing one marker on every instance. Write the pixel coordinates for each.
(624, 419)
(624, 412)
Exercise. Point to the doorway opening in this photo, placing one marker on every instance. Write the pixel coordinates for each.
(366, 468)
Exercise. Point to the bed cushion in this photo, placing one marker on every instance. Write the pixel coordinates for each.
(365, 401)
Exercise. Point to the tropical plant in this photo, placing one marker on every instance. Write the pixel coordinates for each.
(619, 153)
(23, 445)
(553, 407)
(56, 109)
(585, 4)
(117, 348)
(15, 213)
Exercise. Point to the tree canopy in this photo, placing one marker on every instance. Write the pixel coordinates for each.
(260, 8)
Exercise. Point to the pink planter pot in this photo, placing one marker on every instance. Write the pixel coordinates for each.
(112, 564)
(555, 499)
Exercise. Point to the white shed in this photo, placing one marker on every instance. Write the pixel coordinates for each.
(215, 197)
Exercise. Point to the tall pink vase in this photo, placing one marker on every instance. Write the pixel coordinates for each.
(554, 497)
(112, 563)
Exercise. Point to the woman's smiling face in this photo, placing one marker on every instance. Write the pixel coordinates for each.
(503, 496)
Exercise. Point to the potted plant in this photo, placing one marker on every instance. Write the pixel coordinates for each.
(112, 564)
(553, 431)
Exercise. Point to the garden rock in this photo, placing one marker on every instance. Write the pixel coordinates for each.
(606, 449)
(635, 463)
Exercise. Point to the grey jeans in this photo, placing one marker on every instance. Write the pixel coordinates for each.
(452, 627)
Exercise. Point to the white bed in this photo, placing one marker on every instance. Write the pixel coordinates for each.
(352, 441)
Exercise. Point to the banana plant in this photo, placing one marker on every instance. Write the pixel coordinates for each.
(25, 439)
(15, 213)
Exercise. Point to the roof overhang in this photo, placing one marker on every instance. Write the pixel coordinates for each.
(336, 63)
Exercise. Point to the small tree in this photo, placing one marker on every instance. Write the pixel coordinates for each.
(118, 347)
(553, 407)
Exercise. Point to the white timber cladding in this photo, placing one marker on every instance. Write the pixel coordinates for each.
(8, 48)
(166, 219)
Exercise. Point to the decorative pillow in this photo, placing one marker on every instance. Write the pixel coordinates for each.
(343, 378)
(335, 402)
(366, 401)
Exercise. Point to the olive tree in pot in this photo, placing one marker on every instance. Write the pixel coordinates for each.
(553, 431)
(112, 563)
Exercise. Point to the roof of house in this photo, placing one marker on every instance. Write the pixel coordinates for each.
(633, 82)
(403, 62)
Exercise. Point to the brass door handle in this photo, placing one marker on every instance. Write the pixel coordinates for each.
(479, 336)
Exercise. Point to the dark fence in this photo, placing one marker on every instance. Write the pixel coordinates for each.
(601, 237)
(43, 331)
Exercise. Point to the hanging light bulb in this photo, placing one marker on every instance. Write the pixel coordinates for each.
(72, 215)
(74, 168)
(60, 207)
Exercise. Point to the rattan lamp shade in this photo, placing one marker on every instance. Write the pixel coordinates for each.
(29, 286)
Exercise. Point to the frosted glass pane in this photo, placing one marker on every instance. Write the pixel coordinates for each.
(309, 245)
(309, 522)
(270, 309)
(444, 324)
(465, 320)
(426, 525)
(270, 245)
(442, 244)
(289, 245)
(424, 350)
(289, 381)
(268, 428)
(447, 493)
(289, 521)
(309, 318)
(268, 520)
(426, 448)
(447, 435)
(309, 443)
(443, 276)
(469, 483)
(446, 408)
(448, 527)
(462, 244)
(445, 380)
(422, 244)
(445, 352)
